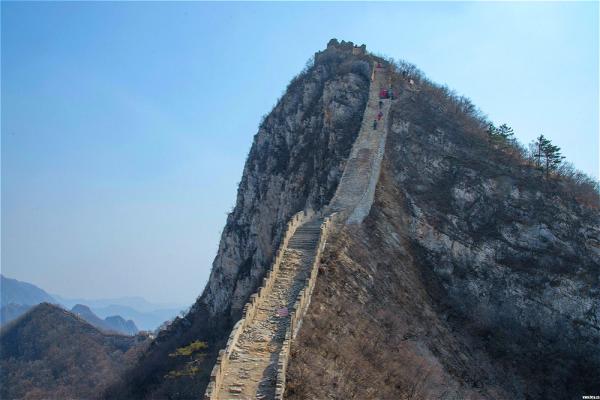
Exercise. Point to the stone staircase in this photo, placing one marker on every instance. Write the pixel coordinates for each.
(254, 362)
(252, 371)
(354, 194)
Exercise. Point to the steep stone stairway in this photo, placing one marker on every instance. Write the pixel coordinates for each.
(252, 368)
(354, 194)
(253, 364)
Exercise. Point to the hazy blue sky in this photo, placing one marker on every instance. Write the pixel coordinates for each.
(125, 126)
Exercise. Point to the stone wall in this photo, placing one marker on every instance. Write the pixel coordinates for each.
(250, 308)
(361, 210)
(299, 309)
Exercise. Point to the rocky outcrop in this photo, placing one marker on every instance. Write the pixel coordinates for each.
(295, 163)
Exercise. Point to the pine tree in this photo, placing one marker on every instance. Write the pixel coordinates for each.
(502, 135)
(540, 144)
(553, 158)
(547, 156)
(491, 130)
(505, 132)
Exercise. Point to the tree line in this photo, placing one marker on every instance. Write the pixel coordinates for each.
(545, 155)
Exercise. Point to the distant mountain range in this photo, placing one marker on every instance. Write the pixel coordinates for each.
(18, 297)
(147, 321)
(114, 323)
(52, 353)
(137, 303)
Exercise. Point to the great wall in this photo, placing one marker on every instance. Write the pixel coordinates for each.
(254, 361)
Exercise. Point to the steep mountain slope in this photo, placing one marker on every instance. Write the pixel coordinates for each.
(17, 292)
(51, 353)
(472, 277)
(295, 162)
(113, 323)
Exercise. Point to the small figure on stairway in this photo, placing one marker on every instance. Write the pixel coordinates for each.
(379, 116)
(282, 312)
(375, 124)
(380, 104)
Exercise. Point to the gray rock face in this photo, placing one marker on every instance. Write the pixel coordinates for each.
(295, 163)
(512, 255)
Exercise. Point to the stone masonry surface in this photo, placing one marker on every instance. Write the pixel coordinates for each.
(354, 195)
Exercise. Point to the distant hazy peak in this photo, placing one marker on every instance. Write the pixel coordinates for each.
(17, 292)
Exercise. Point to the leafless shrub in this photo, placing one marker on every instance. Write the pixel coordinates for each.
(583, 187)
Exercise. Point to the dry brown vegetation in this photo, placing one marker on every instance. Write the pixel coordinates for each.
(372, 332)
(443, 103)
